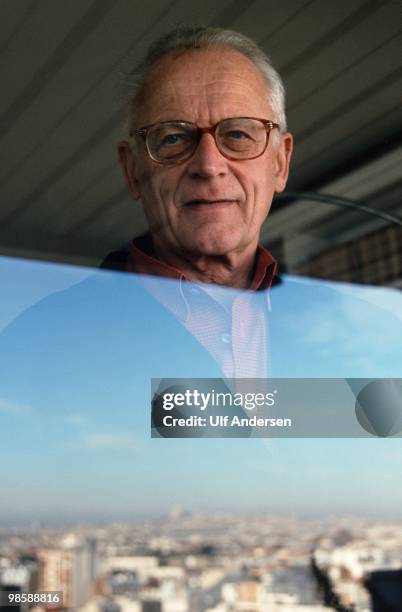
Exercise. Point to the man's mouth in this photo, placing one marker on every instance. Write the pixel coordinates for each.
(209, 202)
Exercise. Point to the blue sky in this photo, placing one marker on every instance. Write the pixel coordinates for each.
(77, 447)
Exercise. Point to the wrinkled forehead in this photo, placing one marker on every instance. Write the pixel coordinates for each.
(190, 76)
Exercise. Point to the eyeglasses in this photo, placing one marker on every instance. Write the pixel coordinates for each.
(237, 138)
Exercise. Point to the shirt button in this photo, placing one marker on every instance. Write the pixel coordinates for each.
(226, 338)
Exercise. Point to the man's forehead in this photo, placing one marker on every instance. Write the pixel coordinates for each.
(200, 72)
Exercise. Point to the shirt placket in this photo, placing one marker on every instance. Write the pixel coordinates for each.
(249, 336)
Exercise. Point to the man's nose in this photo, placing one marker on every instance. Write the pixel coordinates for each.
(207, 161)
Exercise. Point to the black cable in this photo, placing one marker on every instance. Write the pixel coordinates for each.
(327, 198)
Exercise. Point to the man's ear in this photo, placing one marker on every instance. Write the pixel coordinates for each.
(128, 163)
(283, 154)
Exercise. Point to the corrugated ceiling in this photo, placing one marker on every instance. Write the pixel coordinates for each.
(62, 195)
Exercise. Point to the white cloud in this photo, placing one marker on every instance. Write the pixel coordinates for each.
(13, 407)
(78, 419)
(388, 300)
(359, 327)
(107, 440)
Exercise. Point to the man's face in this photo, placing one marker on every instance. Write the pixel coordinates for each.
(207, 205)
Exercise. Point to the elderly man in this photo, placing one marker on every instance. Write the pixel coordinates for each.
(208, 149)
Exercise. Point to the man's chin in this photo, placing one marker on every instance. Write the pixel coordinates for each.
(212, 248)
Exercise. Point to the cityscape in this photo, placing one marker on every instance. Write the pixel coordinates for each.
(207, 562)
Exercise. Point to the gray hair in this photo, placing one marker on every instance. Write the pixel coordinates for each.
(200, 37)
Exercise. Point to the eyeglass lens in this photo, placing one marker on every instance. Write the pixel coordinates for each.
(239, 138)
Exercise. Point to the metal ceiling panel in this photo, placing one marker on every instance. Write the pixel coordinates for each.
(61, 191)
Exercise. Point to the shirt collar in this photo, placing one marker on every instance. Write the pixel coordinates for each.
(142, 260)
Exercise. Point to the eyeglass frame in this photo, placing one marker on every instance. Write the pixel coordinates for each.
(143, 132)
